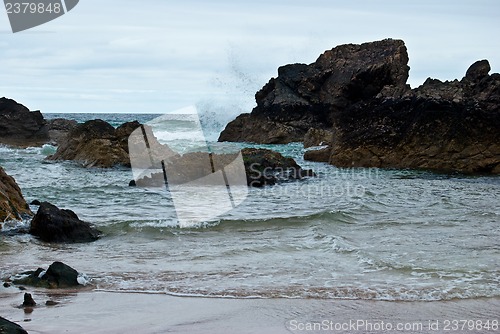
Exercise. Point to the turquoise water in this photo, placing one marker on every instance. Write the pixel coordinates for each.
(348, 233)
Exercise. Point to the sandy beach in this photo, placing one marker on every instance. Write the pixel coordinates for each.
(108, 312)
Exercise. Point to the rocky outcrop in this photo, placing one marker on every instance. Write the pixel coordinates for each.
(359, 94)
(58, 129)
(266, 167)
(443, 126)
(57, 276)
(21, 127)
(52, 224)
(305, 96)
(9, 327)
(97, 144)
(12, 203)
(261, 167)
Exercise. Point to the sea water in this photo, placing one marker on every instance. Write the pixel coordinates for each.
(361, 233)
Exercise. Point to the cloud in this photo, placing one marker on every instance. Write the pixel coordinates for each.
(153, 56)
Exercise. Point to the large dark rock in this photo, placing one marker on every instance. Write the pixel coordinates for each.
(358, 93)
(442, 126)
(12, 203)
(57, 276)
(21, 127)
(52, 224)
(9, 327)
(97, 144)
(305, 96)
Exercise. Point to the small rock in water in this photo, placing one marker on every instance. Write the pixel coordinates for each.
(6, 285)
(35, 202)
(51, 303)
(28, 300)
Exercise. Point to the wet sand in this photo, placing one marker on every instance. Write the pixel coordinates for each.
(107, 312)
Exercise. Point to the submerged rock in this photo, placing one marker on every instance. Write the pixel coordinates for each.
(12, 203)
(58, 275)
(97, 144)
(261, 167)
(52, 224)
(9, 327)
(359, 95)
(21, 127)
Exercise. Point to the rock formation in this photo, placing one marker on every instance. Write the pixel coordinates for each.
(52, 224)
(304, 96)
(97, 144)
(12, 203)
(21, 127)
(442, 126)
(57, 276)
(359, 95)
(262, 167)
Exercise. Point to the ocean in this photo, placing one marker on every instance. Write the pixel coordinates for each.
(360, 233)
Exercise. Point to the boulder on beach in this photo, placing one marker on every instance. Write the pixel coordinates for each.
(97, 143)
(21, 127)
(9, 327)
(52, 224)
(12, 203)
(57, 276)
(357, 101)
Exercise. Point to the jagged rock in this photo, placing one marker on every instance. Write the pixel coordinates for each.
(12, 203)
(306, 96)
(9, 327)
(97, 144)
(57, 276)
(359, 93)
(21, 127)
(52, 224)
(478, 70)
(442, 126)
(59, 128)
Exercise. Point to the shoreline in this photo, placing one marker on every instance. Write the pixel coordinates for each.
(126, 312)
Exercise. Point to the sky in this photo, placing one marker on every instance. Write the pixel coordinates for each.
(156, 56)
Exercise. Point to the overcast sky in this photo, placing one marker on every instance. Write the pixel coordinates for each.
(160, 55)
